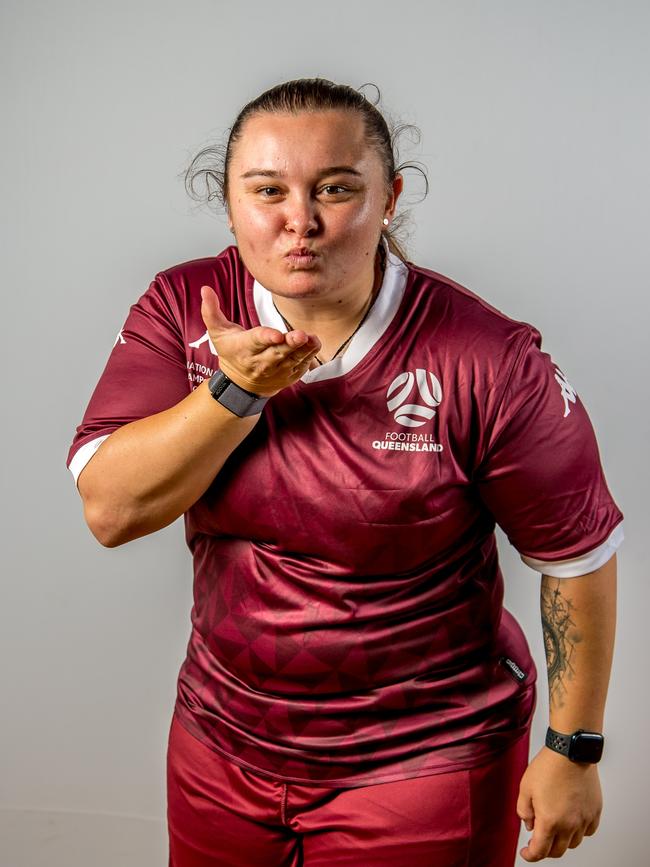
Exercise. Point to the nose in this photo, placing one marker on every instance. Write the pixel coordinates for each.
(301, 216)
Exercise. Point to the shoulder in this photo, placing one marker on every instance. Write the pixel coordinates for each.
(461, 305)
(178, 288)
(468, 324)
(226, 268)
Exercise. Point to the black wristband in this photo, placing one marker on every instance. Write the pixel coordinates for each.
(240, 402)
(581, 746)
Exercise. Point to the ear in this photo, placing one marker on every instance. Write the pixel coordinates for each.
(391, 202)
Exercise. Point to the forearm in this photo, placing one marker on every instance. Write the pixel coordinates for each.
(579, 623)
(147, 473)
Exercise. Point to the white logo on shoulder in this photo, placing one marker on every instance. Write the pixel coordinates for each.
(205, 338)
(568, 391)
(399, 397)
(119, 338)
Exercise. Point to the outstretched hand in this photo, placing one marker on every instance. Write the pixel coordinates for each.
(560, 802)
(262, 360)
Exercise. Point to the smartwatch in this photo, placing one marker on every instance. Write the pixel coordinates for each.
(239, 401)
(581, 746)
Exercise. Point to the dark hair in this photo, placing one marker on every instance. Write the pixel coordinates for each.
(306, 94)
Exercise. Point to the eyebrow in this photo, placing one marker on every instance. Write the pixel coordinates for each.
(330, 170)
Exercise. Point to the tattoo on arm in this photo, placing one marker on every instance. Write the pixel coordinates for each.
(560, 638)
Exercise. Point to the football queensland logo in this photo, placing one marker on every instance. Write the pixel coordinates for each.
(412, 398)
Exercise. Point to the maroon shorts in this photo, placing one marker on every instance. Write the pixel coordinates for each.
(219, 813)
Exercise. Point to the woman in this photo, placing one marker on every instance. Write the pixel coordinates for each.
(341, 429)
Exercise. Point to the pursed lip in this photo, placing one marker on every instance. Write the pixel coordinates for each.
(301, 251)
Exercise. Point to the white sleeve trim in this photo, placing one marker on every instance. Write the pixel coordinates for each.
(583, 564)
(84, 454)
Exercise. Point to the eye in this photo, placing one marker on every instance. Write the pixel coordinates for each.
(335, 189)
(268, 192)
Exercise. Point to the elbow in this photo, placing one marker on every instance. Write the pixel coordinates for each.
(108, 519)
(109, 540)
(107, 527)
(115, 518)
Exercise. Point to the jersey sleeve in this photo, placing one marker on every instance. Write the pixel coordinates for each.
(146, 373)
(541, 476)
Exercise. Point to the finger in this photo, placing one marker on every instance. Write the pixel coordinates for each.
(212, 315)
(560, 845)
(540, 843)
(264, 336)
(300, 369)
(295, 339)
(576, 840)
(304, 345)
(525, 812)
(305, 353)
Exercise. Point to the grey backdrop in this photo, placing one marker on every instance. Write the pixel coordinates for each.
(534, 117)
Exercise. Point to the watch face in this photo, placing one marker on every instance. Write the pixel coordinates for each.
(586, 747)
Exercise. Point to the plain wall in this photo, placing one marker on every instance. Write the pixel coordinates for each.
(534, 120)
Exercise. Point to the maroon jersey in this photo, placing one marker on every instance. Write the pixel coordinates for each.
(348, 623)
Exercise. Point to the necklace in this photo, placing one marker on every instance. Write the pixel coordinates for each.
(372, 298)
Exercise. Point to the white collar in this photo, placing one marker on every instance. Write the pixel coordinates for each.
(381, 315)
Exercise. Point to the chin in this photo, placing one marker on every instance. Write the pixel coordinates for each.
(285, 291)
(296, 284)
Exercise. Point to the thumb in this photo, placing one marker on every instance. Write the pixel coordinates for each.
(212, 314)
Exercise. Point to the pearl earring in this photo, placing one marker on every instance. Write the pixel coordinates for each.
(385, 221)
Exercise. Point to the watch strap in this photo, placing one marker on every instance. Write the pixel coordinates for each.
(580, 746)
(557, 741)
(240, 402)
